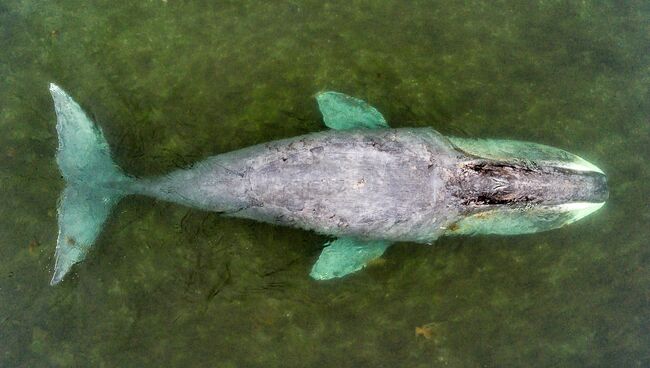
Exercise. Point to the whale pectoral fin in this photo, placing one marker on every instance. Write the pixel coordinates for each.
(342, 112)
(343, 256)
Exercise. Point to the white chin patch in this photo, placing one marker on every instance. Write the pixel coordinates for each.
(580, 164)
(579, 210)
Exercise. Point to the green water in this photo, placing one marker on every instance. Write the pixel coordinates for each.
(173, 81)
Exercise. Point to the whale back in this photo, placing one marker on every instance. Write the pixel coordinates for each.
(370, 184)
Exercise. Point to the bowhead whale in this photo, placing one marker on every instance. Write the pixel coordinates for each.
(360, 182)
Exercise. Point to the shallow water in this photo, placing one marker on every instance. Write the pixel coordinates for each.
(172, 81)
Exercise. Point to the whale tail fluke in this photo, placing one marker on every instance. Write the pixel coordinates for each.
(94, 183)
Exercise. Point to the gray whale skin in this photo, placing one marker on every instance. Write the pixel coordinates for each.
(361, 182)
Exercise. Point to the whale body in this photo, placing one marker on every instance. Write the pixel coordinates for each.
(361, 182)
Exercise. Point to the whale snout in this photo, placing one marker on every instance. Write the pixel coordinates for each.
(600, 189)
(578, 186)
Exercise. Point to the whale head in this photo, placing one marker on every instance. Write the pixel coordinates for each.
(513, 187)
